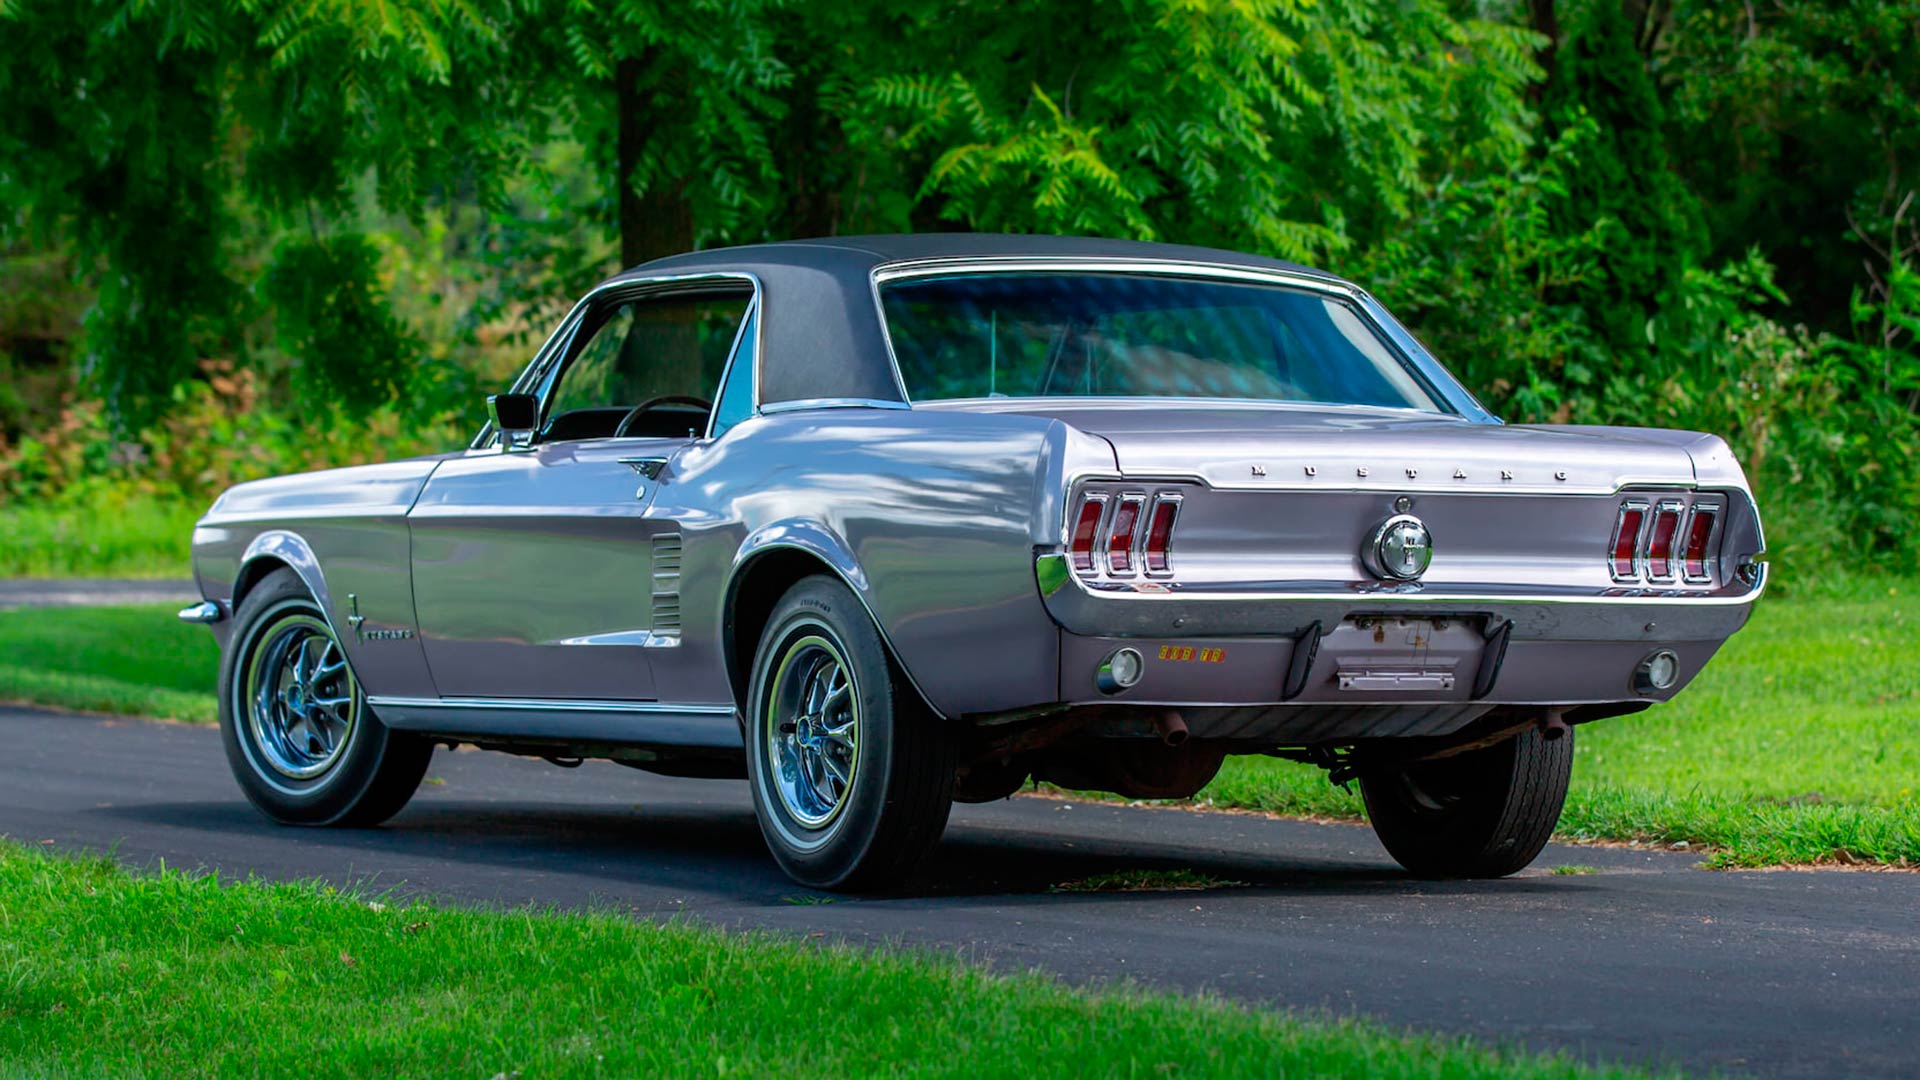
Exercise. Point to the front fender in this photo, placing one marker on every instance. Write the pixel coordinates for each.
(291, 549)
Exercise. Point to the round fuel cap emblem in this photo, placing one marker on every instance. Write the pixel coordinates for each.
(1401, 548)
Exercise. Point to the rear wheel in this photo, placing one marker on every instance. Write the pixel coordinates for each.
(1482, 814)
(852, 776)
(299, 736)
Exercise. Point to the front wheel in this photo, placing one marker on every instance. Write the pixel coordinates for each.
(852, 776)
(1483, 814)
(299, 736)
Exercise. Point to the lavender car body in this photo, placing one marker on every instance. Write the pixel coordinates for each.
(1361, 585)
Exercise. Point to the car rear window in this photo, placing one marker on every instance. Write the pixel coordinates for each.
(976, 335)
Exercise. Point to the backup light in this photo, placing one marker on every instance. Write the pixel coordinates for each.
(1120, 670)
(1659, 671)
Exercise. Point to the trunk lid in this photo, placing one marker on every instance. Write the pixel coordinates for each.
(1258, 445)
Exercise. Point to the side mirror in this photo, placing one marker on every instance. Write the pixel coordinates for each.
(515, 417)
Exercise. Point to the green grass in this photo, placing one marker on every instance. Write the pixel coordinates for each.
(137, 537)
(107, 974)
(1800, 743)
(135, 661)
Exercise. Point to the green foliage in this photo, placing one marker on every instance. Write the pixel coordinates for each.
(329, 310)
(1698, 216)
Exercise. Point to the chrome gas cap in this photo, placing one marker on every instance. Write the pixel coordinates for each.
(1400, 548)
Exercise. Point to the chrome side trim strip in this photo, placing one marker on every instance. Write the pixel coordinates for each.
(551, 705)
(642, 723)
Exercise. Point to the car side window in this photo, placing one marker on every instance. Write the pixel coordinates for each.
(632, 351)
(736, 396)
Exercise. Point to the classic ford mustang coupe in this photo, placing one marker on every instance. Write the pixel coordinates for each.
(881, 523)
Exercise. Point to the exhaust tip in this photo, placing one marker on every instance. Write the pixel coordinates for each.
(1172, 727)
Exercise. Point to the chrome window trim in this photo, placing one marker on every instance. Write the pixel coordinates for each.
(1422, 367)
(560, 342)
(751, 318)
(808, 404)
(1634, 568)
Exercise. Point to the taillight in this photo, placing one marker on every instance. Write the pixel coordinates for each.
(1160, 534)
(1126, 518)
(1085, 527)
(1666, 523)
(1626, 541)
(1693, 552)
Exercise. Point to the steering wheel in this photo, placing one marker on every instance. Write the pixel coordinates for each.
(652, 403)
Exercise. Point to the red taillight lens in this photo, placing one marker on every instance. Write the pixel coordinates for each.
(1085, 527)
(1626, 541)
(1666, 522)
(1693, 554)
(1160, 535)
(1120, 536)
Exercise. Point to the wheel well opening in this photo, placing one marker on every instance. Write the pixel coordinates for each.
(759, 586)
(251, 575)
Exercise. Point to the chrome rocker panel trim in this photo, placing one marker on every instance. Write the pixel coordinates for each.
(644, 723)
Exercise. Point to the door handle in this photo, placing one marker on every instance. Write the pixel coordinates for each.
(649, 467)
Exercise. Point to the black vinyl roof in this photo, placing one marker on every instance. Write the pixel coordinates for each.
(820, 328)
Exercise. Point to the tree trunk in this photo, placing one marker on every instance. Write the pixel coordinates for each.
(659, 221)
(1545, 21)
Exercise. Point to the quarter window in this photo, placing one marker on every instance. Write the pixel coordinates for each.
(736, 396)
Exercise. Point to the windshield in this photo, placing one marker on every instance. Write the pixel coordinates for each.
(1138, 335)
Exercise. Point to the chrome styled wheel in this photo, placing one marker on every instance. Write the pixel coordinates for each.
(812, 730)
(300, 699)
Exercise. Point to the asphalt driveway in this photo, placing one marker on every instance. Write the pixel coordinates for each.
(1649, 959)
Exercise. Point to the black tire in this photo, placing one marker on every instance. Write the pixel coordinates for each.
(871, 831)
(1482, 814)
(363, 776)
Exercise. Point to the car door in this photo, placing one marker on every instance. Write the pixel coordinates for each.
(543, 572)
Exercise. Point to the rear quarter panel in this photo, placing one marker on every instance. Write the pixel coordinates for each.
(934, 516)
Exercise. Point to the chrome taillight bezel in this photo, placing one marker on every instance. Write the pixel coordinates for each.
(1161, 499)
(1095, 561)
(1646, 555)
(1636, 560)
(1709, 560)
(1137, 501)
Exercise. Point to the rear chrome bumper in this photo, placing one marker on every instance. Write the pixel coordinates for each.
(1619, 615)
(1375, 657)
